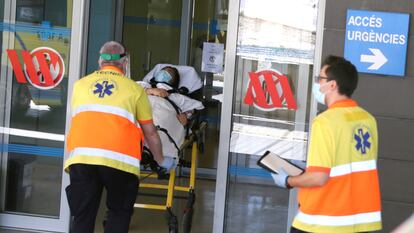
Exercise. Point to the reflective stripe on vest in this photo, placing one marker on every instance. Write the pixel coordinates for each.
(339, 220)
(346, 169)
(123, 158)
(105, 109)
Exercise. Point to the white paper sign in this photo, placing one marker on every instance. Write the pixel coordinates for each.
(256, 140)
(213, 55)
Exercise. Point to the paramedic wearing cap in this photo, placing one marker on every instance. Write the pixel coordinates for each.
(339, 190)
(110, 118)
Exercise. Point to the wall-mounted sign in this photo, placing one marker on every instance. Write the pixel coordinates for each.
(43, 67)
(213, 57)
(269, 90)
(376, 42)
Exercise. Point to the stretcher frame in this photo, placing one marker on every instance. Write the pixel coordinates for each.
(196, 140)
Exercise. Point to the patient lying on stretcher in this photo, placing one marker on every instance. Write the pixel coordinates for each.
(171, 108)
(165, 84)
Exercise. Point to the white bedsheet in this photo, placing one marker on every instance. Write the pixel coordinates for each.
(165, 116)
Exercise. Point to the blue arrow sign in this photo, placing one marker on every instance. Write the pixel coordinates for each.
(376, 42)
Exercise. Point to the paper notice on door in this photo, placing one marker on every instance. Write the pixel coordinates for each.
(213, 57)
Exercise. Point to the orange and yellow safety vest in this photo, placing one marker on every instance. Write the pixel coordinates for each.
(107, 110)
(344, 144)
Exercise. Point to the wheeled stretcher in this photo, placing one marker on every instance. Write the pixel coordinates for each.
(195, 142)
(154, 177)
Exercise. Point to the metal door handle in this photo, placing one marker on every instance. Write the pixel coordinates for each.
(148, 62)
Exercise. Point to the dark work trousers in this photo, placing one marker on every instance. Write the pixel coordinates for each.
(84, 196)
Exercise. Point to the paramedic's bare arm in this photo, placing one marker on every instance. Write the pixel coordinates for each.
(153, 141)
(309, 180)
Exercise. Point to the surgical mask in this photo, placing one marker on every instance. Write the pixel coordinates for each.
(163, 76)
(319, 96)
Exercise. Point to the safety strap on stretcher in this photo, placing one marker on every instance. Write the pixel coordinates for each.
(169, 137)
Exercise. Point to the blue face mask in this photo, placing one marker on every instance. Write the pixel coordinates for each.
(319, 96)
(163, 76)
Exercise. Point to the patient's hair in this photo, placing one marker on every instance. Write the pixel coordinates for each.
(174, 74)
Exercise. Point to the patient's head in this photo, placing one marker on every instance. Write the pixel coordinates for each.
(168, 75)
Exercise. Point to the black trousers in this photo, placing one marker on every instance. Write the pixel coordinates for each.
(84, 196)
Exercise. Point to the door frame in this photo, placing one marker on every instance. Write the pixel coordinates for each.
(119, 20)
(226, 117)
(31, 222)
(185, 33)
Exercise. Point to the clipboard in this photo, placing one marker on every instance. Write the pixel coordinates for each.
(273, 162)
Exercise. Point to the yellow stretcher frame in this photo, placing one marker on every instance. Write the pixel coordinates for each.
(194, 140)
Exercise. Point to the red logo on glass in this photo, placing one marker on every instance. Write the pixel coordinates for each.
(43, 67)
(269, 90)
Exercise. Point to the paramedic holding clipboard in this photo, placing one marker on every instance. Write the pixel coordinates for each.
(339, 190)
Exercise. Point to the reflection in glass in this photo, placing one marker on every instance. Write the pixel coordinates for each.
(275, 50)
(152, 34)
(35, 142)
(280, 129)
(209, 24)
(283, 31)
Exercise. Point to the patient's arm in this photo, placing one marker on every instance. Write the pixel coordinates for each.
(157, 92)
(182, 118)
(153, 141)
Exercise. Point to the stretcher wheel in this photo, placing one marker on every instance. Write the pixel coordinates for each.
(187, 220)
(188, 213)
(171, 221)
(173, 225)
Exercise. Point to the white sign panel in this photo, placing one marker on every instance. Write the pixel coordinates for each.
(376, 42)
(213, 57)
(256, 140)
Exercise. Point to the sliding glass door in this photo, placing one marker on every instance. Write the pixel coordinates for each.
(36, 42)
(267, 102)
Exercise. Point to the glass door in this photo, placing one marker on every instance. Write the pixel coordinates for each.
(151, 33)
(36, 42)
(209, 25)
(266, 107)
(105, 22)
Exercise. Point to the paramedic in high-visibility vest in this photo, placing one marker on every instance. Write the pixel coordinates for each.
(339, 190)
(111, 116)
